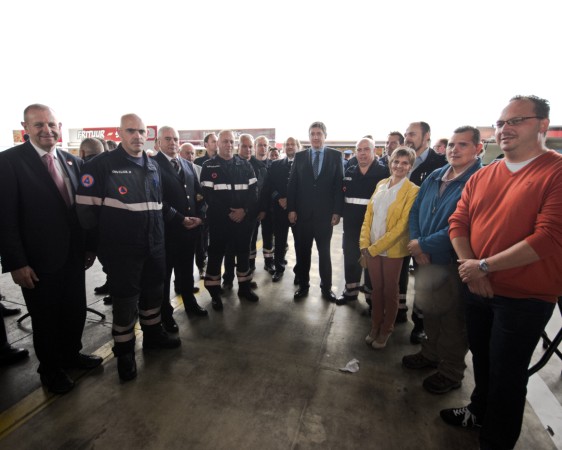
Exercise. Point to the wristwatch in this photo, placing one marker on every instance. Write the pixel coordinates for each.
(483, 266)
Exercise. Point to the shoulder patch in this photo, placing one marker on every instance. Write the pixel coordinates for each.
(87, 180)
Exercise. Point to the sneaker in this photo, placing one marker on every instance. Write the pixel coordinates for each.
(460, 417)
(440, 384)
(417, 361)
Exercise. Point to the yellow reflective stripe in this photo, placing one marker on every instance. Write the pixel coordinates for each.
(88, 200)
(136, 207)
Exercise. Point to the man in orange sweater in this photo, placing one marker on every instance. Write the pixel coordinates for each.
(507, 232)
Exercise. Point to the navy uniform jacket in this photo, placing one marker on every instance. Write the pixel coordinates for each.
(123, 202)
(357, 191)
(181, 193)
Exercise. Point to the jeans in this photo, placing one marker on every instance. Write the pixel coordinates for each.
(502, 335)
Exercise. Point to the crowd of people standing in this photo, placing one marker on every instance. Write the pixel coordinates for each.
(488, 270)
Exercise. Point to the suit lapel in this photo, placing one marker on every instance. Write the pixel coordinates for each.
(68, 165)
(37, 167)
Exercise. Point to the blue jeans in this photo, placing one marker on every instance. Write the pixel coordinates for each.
(502, 335)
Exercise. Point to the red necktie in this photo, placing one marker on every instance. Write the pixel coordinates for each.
(57, 177)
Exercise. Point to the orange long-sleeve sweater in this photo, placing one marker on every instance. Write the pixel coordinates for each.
(498, 208)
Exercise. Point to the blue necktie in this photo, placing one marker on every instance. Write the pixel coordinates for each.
(316, 163)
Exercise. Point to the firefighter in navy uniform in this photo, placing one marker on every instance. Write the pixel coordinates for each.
(229, 187)
(245, 147)
(121, 196)
(359, 183)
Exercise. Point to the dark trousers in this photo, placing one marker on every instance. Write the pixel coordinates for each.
(281, 227)
(233, 238)
(502, 335)
(308, 231)
(57, 306)
(267, 239)
(179, 259)
(352, 268)
(3, 335)
(201, 246)
(136, 287)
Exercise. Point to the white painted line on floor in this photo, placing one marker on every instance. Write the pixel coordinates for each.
(546, 407)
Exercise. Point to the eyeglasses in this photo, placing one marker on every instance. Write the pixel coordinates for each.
(514, 121)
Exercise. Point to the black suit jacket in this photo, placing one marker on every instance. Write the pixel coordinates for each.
(37, 229)
(181, 195)
(279, 179)
(433, 161)
(320, 198)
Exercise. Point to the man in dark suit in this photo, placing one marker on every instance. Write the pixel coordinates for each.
(315, 203)
(278, 179)
(43, 246)
(182, 199)
(417, 137)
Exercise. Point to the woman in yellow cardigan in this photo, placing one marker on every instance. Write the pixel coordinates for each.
(383, 242)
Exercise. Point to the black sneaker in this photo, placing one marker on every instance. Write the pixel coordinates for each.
(460, 417)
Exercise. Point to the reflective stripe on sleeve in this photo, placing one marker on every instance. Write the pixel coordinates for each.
(241, 187)
(88, 200)
(252, 181)
(207, 184)
(357, 201)
(135, 207)
(222, 187)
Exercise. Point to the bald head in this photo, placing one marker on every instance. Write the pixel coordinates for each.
(90, 147)
(133, 134)
(187, 151)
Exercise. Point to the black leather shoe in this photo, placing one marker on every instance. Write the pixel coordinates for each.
(253, 285)
(401, 316)
(108, 300)
(56, 381)
(127, 366)
(343, 299)
(9, 311)
(329, 295)
(102, 290)
(216, 303)
(296, 281)
(269, 266)
(84, 362)
(301, 292)
(10, 355)
(195, 289)
(227, 285)
(170, 325)
(277, 277)
(160, 340)
(192, 308)
(417, 336)
(248, 295)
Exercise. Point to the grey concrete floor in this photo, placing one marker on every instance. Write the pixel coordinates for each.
(254, 376)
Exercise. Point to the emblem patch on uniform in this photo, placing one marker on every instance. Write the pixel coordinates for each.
(87, 180)
(214, 175)
(122, 190)
(69, 162)
(344, 189)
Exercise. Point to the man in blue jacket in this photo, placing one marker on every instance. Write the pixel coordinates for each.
(437, 281)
